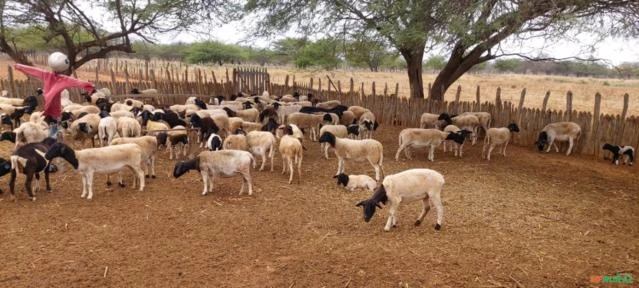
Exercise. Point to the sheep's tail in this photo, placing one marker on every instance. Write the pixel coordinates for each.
(103, 131)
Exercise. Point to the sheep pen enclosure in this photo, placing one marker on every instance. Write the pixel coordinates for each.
(527, 220)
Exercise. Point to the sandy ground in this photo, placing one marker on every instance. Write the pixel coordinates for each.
(528, 220)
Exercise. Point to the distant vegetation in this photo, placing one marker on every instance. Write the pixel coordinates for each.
(331, 53)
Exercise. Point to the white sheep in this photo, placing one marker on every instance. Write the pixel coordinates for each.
(339, 131)
(149, 145)
(29, 132)
(330, 104)
(224, 163)
(292, 153)
(558, 131)
(419, 137)
(352, 182)
(498, 136)
(107, 130)
(107, 159)
(429, 120)
(368, 149)
(235, 142)
(407, 186)
(306, 121)
(260, 143)
(129, 127)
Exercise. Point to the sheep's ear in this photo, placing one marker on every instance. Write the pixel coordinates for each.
(361, 203)
(378, 206)
(334, 176)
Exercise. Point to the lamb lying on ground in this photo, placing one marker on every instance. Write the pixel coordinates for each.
(352, 182)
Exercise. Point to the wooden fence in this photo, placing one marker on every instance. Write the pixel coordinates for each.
(597, 128)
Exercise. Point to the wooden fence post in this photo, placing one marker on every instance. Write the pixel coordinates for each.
(457, 96)
(498, 103)
(429, 91)
(373, 88)
(569, 104)
(623, 119)
(594, 134)
(12, 84)
(545, 104)
(521, 106)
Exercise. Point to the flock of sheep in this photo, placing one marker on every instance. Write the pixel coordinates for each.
(234, 132)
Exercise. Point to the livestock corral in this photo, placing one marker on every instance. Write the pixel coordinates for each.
(526, 219)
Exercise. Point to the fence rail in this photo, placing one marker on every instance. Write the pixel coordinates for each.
(597, 128)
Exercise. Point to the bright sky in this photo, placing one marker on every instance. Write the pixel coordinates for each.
(614, 50)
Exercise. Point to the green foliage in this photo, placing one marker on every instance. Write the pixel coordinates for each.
(435, 63)
(507, 65)
(367, 52)
(321, 53)
(213, 52)
(39, 38)
(286, 49)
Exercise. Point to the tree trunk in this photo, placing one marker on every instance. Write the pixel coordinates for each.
(414, 58)
(457, 65)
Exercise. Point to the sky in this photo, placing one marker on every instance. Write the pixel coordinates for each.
(613, 50)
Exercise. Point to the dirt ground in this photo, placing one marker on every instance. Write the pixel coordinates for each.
(528, 220)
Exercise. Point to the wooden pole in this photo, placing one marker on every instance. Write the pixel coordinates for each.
(12, 84)
(594, 135)
(545, 104)
(569, 104)
(521, 105)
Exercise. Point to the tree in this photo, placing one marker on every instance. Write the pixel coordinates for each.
(322, 53)
(68, 19)
(367, 51)
(213, 52)
(471, 30)
(507, 65)
(288, 48)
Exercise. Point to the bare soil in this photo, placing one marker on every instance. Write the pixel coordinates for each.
(528, 220)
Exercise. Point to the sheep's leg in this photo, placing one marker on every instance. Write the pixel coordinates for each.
(326, 147)
(425, 209)
(36, 185)
(570, 144)
(205, 179)
(378, 171)
(283, 164)
(439, 208)
(12, 184)
(290, 167)
(210, 183)
(46, 178)
(170, 148)
(299, 167)
(340, 165)
(431, 153)
(490, 150)
(140, 174)
(271, 154)
(27, 186)
(263, 161)
(392, 221)
(408, 152)
(246, 175)
(153, 166)
(460, 148)
(399, 150)
(84, 186)
(503, 151)
(89, 180)
(120, 179)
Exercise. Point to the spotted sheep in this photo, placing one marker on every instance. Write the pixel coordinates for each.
(627, 152)
(407, 186)
(558, 132)
(223, 163)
